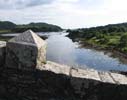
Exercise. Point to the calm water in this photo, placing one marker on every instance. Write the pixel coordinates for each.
(62, 50)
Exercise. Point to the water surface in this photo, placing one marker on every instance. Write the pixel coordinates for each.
(63, 50)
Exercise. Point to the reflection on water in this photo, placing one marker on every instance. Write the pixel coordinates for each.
(61, 49)
(98, 60)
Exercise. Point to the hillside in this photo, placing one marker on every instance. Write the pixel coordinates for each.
(6, 26)
(94, 31)
(113, 36)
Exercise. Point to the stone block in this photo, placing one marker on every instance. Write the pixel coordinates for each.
(26, 51)
(2, 52)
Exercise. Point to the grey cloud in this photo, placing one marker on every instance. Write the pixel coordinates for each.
(16, 4)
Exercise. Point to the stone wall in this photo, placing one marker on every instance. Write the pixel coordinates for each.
(57, 82)
(26, 51)
(21, 56)
(2, 52)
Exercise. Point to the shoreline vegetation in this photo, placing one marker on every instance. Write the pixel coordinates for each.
(111, 38)
(10, 27)
(111, 52)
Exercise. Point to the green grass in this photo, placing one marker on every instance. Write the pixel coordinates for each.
(106, 41)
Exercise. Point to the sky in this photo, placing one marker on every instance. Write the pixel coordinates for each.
(65, 13)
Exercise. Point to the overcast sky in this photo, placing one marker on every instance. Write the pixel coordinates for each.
(65, 13)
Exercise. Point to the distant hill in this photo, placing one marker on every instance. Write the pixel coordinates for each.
(111, 37)
(37, 27)
(6, 25)
(93, 31)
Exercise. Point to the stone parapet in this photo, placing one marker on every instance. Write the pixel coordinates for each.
(26, 51)
(2, 53)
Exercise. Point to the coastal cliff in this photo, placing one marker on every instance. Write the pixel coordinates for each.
(25, 75)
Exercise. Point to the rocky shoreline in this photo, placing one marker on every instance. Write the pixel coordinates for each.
(114, 52)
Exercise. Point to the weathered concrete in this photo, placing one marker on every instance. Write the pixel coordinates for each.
(26, 51)
(90, 84)
(104, 77)
(2, 52)
(61, 82)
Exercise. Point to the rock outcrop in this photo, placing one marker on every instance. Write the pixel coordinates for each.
(20, 80)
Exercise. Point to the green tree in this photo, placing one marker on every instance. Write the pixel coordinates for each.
(123, 41)
(104, 40)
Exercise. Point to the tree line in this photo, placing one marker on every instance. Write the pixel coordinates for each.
(37, 27)
(113, 35)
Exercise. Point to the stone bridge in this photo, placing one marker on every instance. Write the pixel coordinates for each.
(26, 75)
